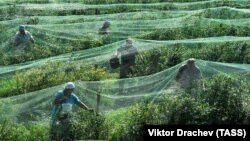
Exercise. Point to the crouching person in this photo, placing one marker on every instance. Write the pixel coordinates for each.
(61, 127)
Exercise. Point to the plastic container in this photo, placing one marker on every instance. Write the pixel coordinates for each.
(67, 108)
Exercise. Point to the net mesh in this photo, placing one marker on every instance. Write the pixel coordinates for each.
(68, 33)
(36, 106)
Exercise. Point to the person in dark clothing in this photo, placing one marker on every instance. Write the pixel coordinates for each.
(105, 28)
(189, 77)
(127, 55)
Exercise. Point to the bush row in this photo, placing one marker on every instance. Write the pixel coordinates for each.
(223, 101)
(159, 59)
(50, 74)
(12, 10)
(44, 49)
(214, 29)
(147, 62)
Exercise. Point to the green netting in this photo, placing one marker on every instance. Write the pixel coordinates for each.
(76, 33)
(36, 106)
(67, 41)
(101, 55)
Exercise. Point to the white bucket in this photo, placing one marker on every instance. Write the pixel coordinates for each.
(66, 107)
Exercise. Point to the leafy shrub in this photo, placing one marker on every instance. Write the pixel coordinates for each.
(13, 131)
(227, 52)
(157, 59)
(183, 109)
(48, 75)
(129, 124)
(224, 95)
(8, 88)
(197, 31)
(11, 54)
(87, 125)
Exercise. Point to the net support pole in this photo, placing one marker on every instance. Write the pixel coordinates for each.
(98, 99)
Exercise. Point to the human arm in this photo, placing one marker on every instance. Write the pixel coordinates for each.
(59, 100)
(118, 52)
(84, 106)
(32, 40)
(79, 103)
(178, 75)
(31, 37)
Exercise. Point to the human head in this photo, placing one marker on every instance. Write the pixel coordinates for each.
(106, 24)
(22, 29)
(69, 88)
(129, 41)
(191, 62)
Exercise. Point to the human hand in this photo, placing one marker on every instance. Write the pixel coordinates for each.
(91, 109)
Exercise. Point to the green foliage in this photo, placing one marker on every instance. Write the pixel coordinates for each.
(56, 73)
(149, 62)
(197, 31)
(131, 1)
(220, 103)
(246, 106)
(138, 116)
(12, 131)
(224, 101)
(183, 109)
(128, 124)
(39, 50)
(223, 13)
(113, 125)
(33, 21)
(9, 12)
(158, 59)
(227, 52)
(87, 125)
(8, 88)
(224, 95)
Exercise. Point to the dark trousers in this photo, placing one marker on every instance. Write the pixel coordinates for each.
(125, 70)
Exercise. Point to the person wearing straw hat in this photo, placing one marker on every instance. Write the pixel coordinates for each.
(23, 37)
(62, 107)
(105, 28)
(189, 75)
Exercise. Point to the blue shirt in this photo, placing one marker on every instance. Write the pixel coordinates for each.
(73, 99)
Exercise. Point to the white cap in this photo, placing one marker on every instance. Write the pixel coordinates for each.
(190, 61)
(70, 85)
(129, 40)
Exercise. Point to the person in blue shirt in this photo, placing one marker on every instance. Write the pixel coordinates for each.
(63, 102)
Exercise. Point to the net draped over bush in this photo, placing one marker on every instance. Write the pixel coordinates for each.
(166, 33)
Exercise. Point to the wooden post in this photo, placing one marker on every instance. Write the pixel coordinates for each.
(98, 99)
